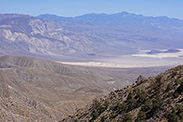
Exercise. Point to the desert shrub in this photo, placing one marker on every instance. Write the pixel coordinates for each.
(176, 95)
(95, 115)
(165, 96)
(177, 82)
(158, 78)
(130, 96)
(132, 104)
(168, 100)
(169, 87)
(112, 115)
(170, 94)
(118, 107)
(127, 117)
(173, 117)
(181, 82)
(181, 116)
(96, 104)
(141, 95)
(157, 103)
(179, 108)
(101, 109)
(76, 120)
(156, 86)
(147, 105)
(141, 116)
(180, 88)
(176, 114)
(122, 107)
(103, 118)
(106, 104)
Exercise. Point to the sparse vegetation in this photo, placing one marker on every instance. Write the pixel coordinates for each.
(103, 118)
(122, 107)
(141, 96)
(150, 100)
(173, 117)
(127, 117)
(141, 116)
(177, 82)
(157, 104)
(95, 115)
(106, 104)
(130, 96)
(169, 87)
(147, 105)
(180, 88)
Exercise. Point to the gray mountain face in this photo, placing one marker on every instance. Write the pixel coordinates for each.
(25, 34)
(127, 29)
(87, 35)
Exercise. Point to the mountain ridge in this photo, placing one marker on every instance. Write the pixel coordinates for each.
(157, 98)
(93, 17)
(104, 14)
(111, 36)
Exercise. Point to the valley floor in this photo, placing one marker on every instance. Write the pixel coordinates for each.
(138, 61)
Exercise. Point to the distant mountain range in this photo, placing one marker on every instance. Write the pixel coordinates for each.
(87, 35)
(38, 90)
(119, 18)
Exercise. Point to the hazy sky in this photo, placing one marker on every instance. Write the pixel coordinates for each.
(170, 8)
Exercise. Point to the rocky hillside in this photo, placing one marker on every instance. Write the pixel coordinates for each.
(158, 98)
(39, 90)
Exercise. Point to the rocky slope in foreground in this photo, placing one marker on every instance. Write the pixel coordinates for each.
(158, 98)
